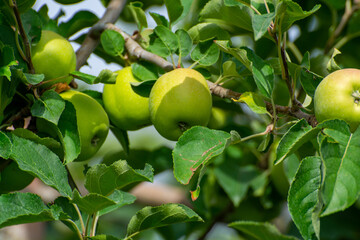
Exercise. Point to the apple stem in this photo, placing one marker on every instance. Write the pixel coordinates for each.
(356, 96)
(183, 126)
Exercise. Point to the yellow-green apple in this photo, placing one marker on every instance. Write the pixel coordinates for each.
(127, 109)
(54, 57)
(179, 100)
(338, 97)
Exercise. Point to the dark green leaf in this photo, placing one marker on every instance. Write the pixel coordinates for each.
(81, 20)
(120, 198)
(7, 59)
(104, 237)
(174, 9)
(18, 208)
(104, 179)
(205, 53)
(32, 25)
(112, 42)
(304, 200)
(159, 19)
(34, 79)
(138, 14)
(5, 146)
(261, 23)
(49, 107)
(123, 138)
(68, 1)
(195, 148)
(41, 162)
(24, 5)
(260, 230)
(154, 217)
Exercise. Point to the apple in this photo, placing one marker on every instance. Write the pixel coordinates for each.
(127, 109)
(338, 97)
(54, 57)
(217, 118)
(92, 121)
(179, 100)
(12, 178)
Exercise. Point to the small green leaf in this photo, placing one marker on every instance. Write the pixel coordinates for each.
(34, 79)
(7, 59)
(49, 107)
(145, 71)
(207, 31)
(104, 179)
(112, 42)
(138, 14)
(332, 66)
(169, 38)
(68, 1)
(260, 230)
(205, 53)
(159, 19)
(104, 237)
(239, 53)
(122, 136)
(5, 146)
(254, 101)
(18, 208)
(261, 23)
(185, 42)
(174, 9)
(41, 162)
(303, 198)
(120, 198)
(105, 76)
(154, 217)
(157, 46)
(195, 148)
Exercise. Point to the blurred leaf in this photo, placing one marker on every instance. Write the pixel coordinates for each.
(309, 81)
(239, 53)
(332, 66)
(68, 1)
(235, 179)
(195, 148)
(24, 5)
(353, 28)
(81, 20)
(5, 146)
(104, 237)
(154, 217)
(304, 199)
(229, 69)
(18, 208)
(287, 12)
(263, 73)
(260, 230)
(121, 199)
(159, 19)
(205, 53)
(138, 14)
(261, 23)
(254, 101)
(168, 38)
(7, 59)
(206, 31)
(185, 42)
(41, 162)
(112, 42)
(177, 9)
(105, 76)
(49, 107)
(32, 25)
(122, 136)
(104, 179)
(339, 152)
(93, 202)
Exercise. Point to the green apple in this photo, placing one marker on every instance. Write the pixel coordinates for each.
(54, 57)
(217, 118)
(12, 178)
(179, 100)
(338, 97)
(127, 109)
(92, 121)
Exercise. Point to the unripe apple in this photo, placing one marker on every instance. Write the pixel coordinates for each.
(12, 178)
(127, 109)
(92, 121)
(54, 57)
(179, 100)
(338, 97)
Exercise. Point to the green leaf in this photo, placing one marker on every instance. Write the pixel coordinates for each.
(24, 5)
(229, 69)
(34, 79)
(304, 198)
(260, 230)
(138, 14)
(288, 12)
(332, 66)
(93, 202)
(261, 23)
(41, 162)
(104, 237)
(239, 53)
(18, 208)
(169, 39)
(81, 20)
(68, 1)
(113, 42)
(157, 46)
(206, 31)
(154, 217)
(340, 153)
(254, 102)
(174, 9)
(105, 76)
(236, 179)
(263, 74)
(122, 136)
(5, 146)
(195, 148)
(120, 198)
(309, 81)
(185, 42)
(205, 53)
(32, 25)
(145, 71)
(159, 19)
(104, 179)
(7, 59)
(49, 107)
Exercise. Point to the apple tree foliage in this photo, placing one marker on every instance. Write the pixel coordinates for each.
(270, 172)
